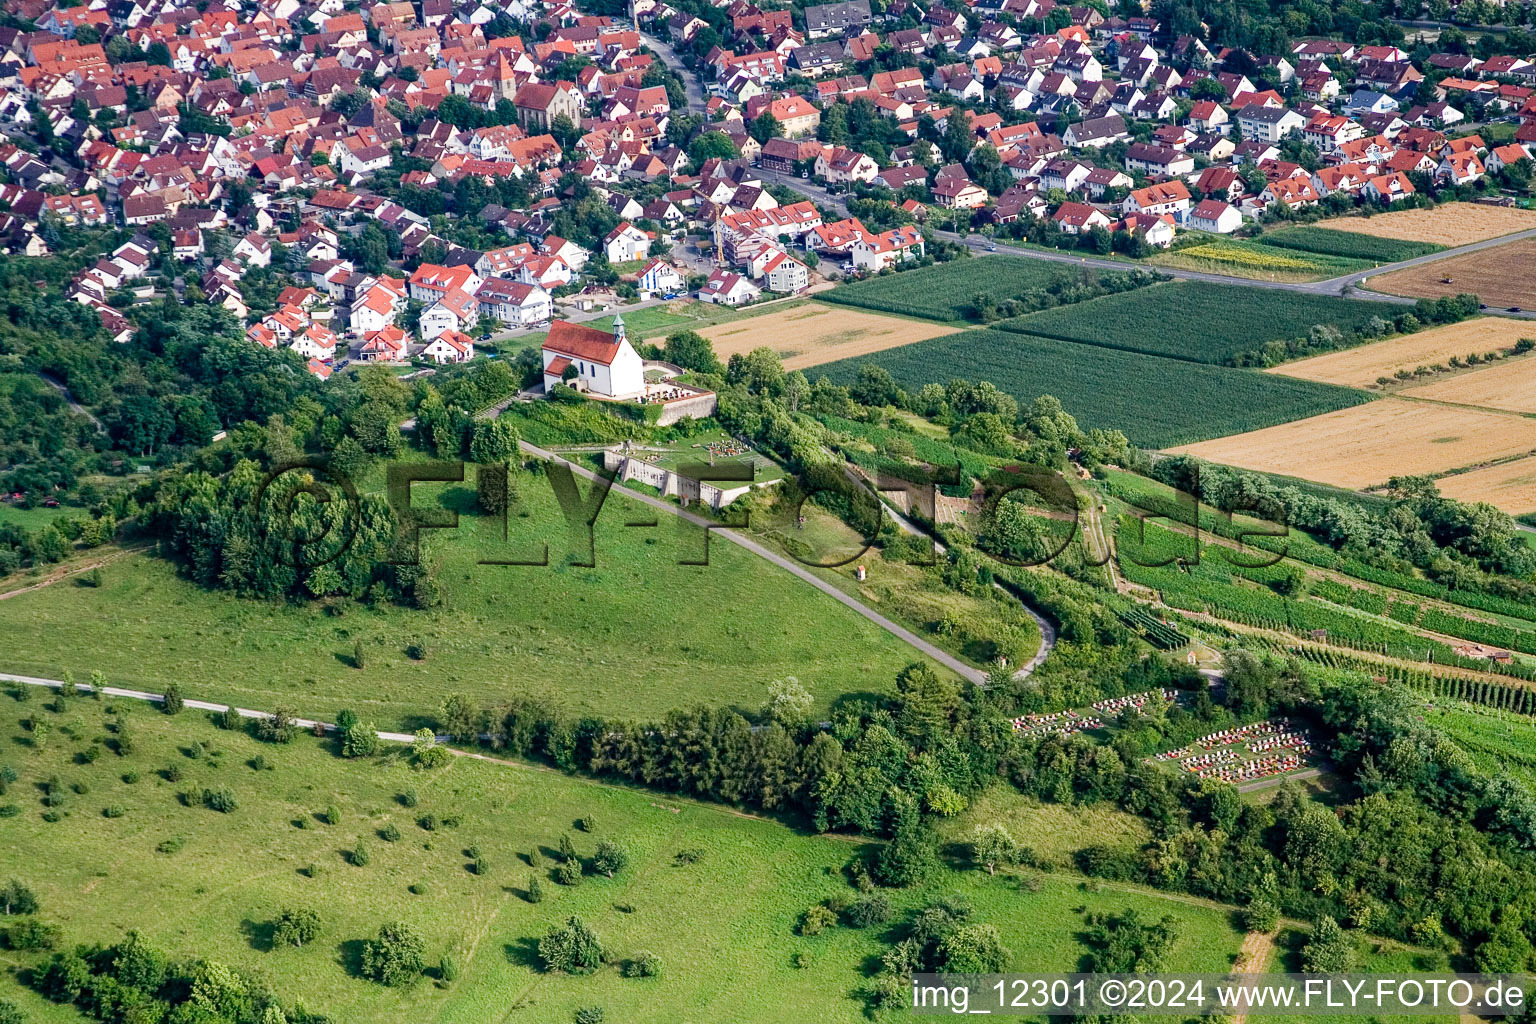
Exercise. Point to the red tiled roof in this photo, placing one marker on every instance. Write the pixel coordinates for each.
(581, 342)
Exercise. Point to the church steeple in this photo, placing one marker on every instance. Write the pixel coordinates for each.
(618, 329)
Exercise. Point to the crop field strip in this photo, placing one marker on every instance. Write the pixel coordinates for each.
(1448, 225)
(1510, 486)
(1362, 447)
(1194, 320)
(1499, 275)
(813, 334)
(1362, 365)
(945, 291)
(1244, 258)
(1158, 402)
(1348, 244)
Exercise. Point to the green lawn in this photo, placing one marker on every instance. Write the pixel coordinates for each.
(36, 517)
(723, 926)
(637, 635)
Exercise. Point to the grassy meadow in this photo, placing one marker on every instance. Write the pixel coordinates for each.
(723, 926)
(634, 636)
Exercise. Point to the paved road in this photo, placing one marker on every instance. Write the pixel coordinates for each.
(1331, 286)
(908, 637)
(696, 97)
(201, 705)
(1047, 628)
(60, 387)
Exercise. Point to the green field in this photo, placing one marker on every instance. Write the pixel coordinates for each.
(637, 635)
(1157, 402)
(1351, 244)
(945, 291)
(722, 926)
(36, 517)
(1195, 321)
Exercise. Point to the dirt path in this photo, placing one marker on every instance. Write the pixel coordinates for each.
(1257, 951)
(65, 572)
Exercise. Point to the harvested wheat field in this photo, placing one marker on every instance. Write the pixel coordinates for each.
(812, 334)
(1500, 276)
(1508, 384)
(1359, 367)
(1510, 486)
(1449, 224)
(1364, 445)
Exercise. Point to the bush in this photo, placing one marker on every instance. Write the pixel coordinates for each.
(173, 702)
(535, 889)
(688, 855)
(113, 811)
(171, 845)
(448, 969)
(817, 919)
(587, 823)
(276, 728)
(571, 949)
(295, 927)
(396, 957)
(643, 964)
(868, 910)
(131, 776)
(390, 833)
(33, 936)
(590, 1015)
(568, 872)
(358, 857)
(221, 800)
(331, 815)
(408, 798)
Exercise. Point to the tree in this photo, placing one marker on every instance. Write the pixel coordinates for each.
(1262, 913)
(494, 441)
(788, 703)
(911, 856)
(974, 949)
(359, 740)
(10, 1013)
(711, 145)
(535, 889)
(692, 351)
(396, 957)
(426, 754)
(992, 844)
(571, 949)
(764, 127)
(295, 927)
(609, 858)
(1329, 950)
(277, 727)
(16, 898)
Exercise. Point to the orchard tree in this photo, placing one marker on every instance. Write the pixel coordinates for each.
(16, 898)
(295, 927)
(992, 844)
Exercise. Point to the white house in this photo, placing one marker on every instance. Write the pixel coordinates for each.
(604, 364)
(253, 250)
(1268, 124)
(660, 276)
(449, 347)
(519, 303)
(728, 289)
(1215, 216)
(626, 242)
(876, 252)
(315, 343)
(453, 312)
(784, 273)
